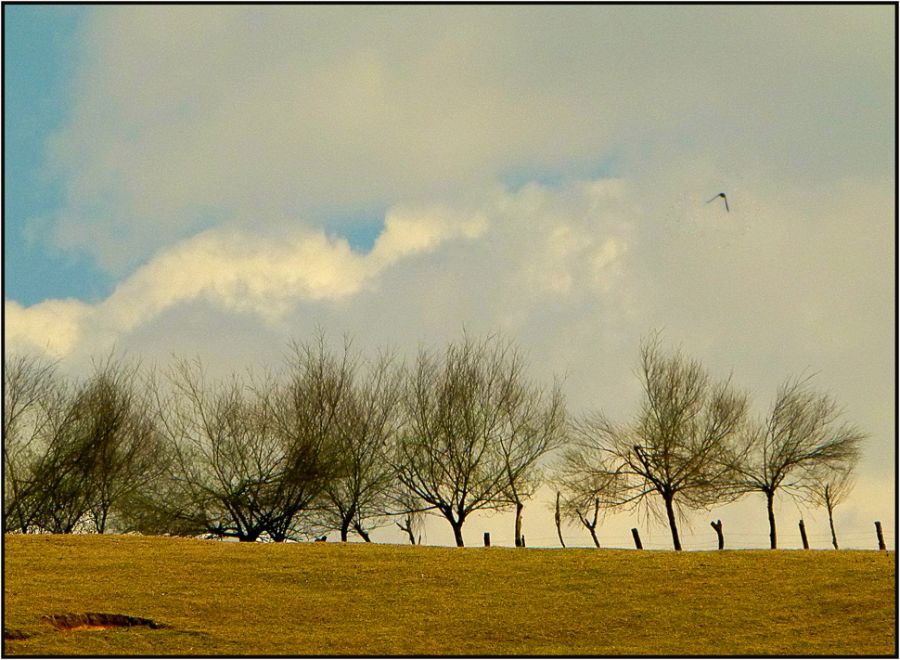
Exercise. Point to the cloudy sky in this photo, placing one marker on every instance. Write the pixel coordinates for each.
(214, 181)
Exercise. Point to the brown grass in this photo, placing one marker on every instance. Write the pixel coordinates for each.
(355, 599)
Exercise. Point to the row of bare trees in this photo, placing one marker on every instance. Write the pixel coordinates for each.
(331, 442)
(693, 444)
(335, 442)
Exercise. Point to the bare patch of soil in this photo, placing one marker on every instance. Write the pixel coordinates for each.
(9, 634)
(98, 621)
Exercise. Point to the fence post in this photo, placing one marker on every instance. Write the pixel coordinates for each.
(881, 545)
(717, 525)
(803, 536)
(487, 539)
(637, 538)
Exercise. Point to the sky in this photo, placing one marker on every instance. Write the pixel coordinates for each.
(215, 181)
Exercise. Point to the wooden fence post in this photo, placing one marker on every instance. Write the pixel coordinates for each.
(487, 539)
(637, 538)
(881, 545)
(803, 536)
(717, 525)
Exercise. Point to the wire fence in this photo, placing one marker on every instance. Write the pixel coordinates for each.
(788, 538)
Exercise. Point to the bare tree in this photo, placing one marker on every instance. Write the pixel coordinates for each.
(367, 422)
(256, 457)
(802, 436)
(307, 410)
(588, 485)
(829, 488)
(125, 445)
(558, 519)
(62, 473)
(450, 451)
(228, 457)
(407, 505)
(97, 447)
(533, 425)
(29, 387)
(412, 523)
(676, 447)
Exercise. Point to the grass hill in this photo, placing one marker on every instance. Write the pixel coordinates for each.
(216, 598)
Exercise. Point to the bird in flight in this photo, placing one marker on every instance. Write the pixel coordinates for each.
(724, 198)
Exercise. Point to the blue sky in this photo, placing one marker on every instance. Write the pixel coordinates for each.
(177, 182)
(38, 65)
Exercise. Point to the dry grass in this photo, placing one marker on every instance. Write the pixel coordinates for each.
(327, 598)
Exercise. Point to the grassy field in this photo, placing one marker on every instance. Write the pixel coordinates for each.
(355, 599)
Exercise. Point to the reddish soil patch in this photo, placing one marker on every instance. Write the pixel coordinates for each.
(14, 635)
(97, 621)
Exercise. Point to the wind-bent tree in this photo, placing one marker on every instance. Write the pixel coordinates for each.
(587, 485)
(249, 458)
(676, 447)
(101, 448)
(307, 414)
(533, 425)
(29, 387)
(124, 442)
(367, 421)
(228, 457)
(829, 488)
(558, 519)
(459, 408)
(801, 436)
(408, 506)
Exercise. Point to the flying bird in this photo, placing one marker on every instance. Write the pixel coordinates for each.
(724, 198)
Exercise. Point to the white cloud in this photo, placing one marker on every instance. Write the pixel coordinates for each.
(184, 117)
(53, 327)
(408, 230)
(238, 271)
(271, 276)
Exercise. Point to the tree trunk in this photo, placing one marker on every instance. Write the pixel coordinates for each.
(592, 529)
(363, 533)
(100, 519)
(519, 507)
(20, 515)
(717, 525)
(457, 532)
(408, 529)
(773, 540)
(559, 522)
(831, 524)
(345, 525)
(670, 514)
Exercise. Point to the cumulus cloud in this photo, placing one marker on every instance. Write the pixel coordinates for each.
(408, 230)
(270, 276)
(53, 327)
